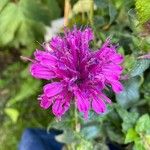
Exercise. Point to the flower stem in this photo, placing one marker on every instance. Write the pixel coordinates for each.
(91, 16)
(66, 11)
(77, 125)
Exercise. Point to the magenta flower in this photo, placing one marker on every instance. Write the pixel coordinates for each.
(76, 73)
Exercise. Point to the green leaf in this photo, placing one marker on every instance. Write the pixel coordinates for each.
(113, 134)
(99, 20)
(91, 132)
(12, 113)
(35, 11)
(140, 66)
(129, 118)
(131, 136)
(143, 124)
(101, 146)
(3, 3)
(66, 137)
(130, 94)
(64, 124)
(23, 22)
(101, 3)
(138, 145)
(112, 13)
(129, 63)
(85, 145)
(143, 10)
(28, 37)
(53, 9)
(28, 88)
(7, 28)
(147, 140)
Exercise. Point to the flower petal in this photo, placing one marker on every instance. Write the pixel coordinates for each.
(45, 58)
(87, 34)
(117, 58)
(98, 105)
(45, 102)
(104, 97)
(117, 86)
(53, 89)
(57, 108)
(41, 72)
(82, 102)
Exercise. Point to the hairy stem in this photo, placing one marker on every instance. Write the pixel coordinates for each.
(77, 125)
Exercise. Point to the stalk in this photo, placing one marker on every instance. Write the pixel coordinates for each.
(77, 124)
(67, 8)
(91, 15)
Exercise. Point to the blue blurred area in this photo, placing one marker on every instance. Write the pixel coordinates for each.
(40, 139)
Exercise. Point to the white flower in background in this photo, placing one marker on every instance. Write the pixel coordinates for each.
(55, 27)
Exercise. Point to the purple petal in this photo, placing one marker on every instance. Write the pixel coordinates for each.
(56, 43)
(98, 105)
(41, 72)
(57, 108)
(117, 58)
(117, 86)
(53, 89)
(104, 97)
(82, 102)
(87, 34)
(45, 58)
(45, 102)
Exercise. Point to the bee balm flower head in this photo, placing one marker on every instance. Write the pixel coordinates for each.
(76, 73)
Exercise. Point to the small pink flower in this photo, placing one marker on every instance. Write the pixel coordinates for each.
(79, 74)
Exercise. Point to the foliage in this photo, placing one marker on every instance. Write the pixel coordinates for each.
(140, 134)
(143, 10)
(126, 122)
(29, 16)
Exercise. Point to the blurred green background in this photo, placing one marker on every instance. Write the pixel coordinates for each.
(23, 26)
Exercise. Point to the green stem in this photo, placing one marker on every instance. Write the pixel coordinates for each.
(91, 16)
(76, 119)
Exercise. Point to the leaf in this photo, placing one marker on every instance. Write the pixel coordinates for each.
(129, 118)
(29, 19)
(130, 94)
(99, 21)
(114, 135)
(84, 145)
(101, 3)
(67, 137)
(28, 88)
(53, 9)
(140, 66)
(129, 63)
(143, 124)
(131, 136)
(143, 10)
(147, 140)
(101, 146)
(35, 11)
(138, 145)
(28, 37)
(91, 132)
(12, 113)
(7, 28)
(3, 3)
(64, 124)
(112, 13)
